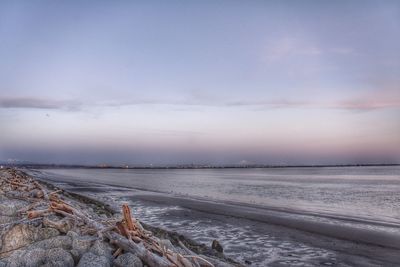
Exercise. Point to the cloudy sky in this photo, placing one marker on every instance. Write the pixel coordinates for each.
(166, 82)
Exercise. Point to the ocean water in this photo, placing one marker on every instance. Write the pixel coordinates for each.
(261, 215)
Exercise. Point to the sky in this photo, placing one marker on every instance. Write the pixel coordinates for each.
(207, 82)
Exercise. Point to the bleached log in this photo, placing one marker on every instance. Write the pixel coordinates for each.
(63, 225)
(45, 194)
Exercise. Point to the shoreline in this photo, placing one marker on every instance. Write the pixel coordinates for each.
(15, 244)
(268, 214)
(190, 166)
(160, 232)
(352, 252)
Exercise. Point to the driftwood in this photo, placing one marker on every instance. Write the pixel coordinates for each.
(63, 225)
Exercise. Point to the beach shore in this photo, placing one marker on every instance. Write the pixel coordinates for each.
(36, 234)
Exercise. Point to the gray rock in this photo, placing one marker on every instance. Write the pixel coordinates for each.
(16, 263)
(34, 257)
(92, 260)
(72, 234)
(217, 246)
(2, 263)
(64, 242)
(30, 258)
(47, 232)
(53, 264)
(9, 207)
(76, 255)
(59, 257)
(101, 248)
(128, 259)
(82, 243)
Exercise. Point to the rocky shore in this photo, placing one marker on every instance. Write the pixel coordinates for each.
(42, 225)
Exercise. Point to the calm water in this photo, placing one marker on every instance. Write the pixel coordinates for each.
(361, 197)
(372, 192)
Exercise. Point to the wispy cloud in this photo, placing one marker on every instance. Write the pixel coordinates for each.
(359, 104)
(355, 104)
(288, 47)
(38, 103)
(363, 102)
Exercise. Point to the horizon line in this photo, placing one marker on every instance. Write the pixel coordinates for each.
(192, 166)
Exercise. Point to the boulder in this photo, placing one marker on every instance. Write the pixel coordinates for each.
(217, 246)
(90, 259)
(128, 259)
(76, 255)
(101, 248)
(59, 257)
(64, 242)
(82, 243)
(29, 258)
(22, 235)
(10, 207)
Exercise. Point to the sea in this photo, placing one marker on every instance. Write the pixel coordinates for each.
(294, 216)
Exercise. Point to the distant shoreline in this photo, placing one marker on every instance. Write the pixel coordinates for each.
(194, 166)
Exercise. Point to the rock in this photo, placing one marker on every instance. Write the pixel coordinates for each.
(2, 263)
(34, 257)
(128, 259)
(10, 207)
(76, 255)
(53, 264)
(82, 243)
(217, 246)
(46, 232)
(22, 234)
(64, 242)
(59, 257)
(16, 237)
(101, 248)
(29, 258)
(247, 262)
(90, 259)
(72, 234)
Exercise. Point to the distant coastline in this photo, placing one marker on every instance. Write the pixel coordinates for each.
(187, 166)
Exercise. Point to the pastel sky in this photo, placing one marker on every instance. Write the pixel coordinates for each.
(168, 82)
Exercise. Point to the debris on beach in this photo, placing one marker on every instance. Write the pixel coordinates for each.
(43, 226)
